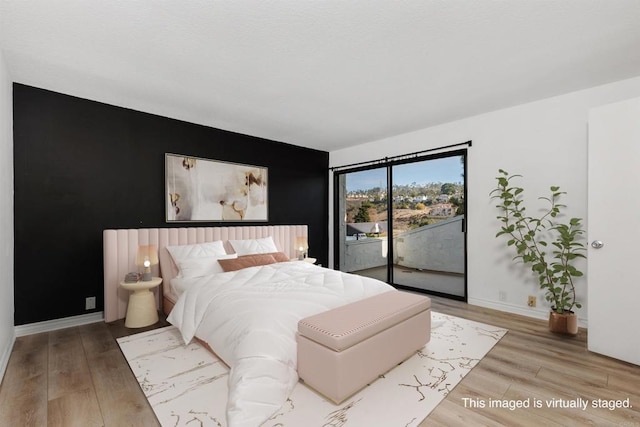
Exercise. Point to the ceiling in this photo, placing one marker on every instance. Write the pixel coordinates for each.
(320, 74)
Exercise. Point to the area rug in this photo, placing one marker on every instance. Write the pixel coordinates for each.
(187, 385)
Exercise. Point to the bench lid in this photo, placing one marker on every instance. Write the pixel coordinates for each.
(344, 326)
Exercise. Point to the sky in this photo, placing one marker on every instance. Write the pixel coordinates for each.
(448, 169)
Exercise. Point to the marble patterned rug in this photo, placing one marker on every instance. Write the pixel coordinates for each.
(187, 385)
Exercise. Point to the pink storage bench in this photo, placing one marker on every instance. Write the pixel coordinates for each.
(342, 350)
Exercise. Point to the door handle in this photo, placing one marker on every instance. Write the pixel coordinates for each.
(597, 244)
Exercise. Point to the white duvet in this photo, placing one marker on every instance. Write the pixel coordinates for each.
(250, 318)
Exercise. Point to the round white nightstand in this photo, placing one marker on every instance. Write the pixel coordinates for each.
(141, 310)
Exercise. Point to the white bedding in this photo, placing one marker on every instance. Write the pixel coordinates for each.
(250, 317)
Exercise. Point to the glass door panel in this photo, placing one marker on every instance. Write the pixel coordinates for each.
(362, 232)
(428, 242)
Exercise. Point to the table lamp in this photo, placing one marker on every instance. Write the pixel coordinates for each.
(302, 245)
(147, 256)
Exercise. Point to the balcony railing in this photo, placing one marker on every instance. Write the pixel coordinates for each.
(435, 247)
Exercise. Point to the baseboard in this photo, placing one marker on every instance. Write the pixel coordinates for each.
(536, 313)
(52, 325)
(4, 357)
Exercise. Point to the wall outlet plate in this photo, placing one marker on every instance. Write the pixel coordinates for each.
(90, 303)
(531, 301)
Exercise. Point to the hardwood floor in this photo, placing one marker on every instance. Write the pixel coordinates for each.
(531, 364)
(78, 377)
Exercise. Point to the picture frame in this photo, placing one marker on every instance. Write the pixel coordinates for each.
(205, 190)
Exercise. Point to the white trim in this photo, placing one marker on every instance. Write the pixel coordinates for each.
(4, 358)
(52, 325)
(537, 313)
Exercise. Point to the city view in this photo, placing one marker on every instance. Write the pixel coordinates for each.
(423, 193)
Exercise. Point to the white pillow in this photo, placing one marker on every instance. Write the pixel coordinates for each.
(254, 246)
(199, 250)
(203, 266)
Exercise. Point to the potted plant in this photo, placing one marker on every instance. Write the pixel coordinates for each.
(545, 244)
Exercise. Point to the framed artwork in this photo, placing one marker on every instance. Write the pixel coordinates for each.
(211, 190)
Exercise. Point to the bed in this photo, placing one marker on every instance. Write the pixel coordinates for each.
(120, 247)
(247, 316)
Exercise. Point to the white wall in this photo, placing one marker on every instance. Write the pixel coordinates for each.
(546, 141)
(7, 334)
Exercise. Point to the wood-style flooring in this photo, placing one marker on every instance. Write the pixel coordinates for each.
(79, 377)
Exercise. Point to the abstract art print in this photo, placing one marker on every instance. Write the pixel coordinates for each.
(210, 190)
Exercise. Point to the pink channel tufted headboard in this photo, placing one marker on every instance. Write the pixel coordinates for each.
(121, 247)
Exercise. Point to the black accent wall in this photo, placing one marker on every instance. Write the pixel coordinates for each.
(82, 166)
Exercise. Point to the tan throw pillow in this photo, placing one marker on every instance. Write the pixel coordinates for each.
(280, 256)
(246, 261)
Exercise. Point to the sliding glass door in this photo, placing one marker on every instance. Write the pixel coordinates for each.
(403, 222)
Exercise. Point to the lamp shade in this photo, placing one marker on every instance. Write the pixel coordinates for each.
(147, 253)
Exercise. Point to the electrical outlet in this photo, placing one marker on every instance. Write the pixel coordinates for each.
(502, 296)
(90, 303)
(531, 301)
